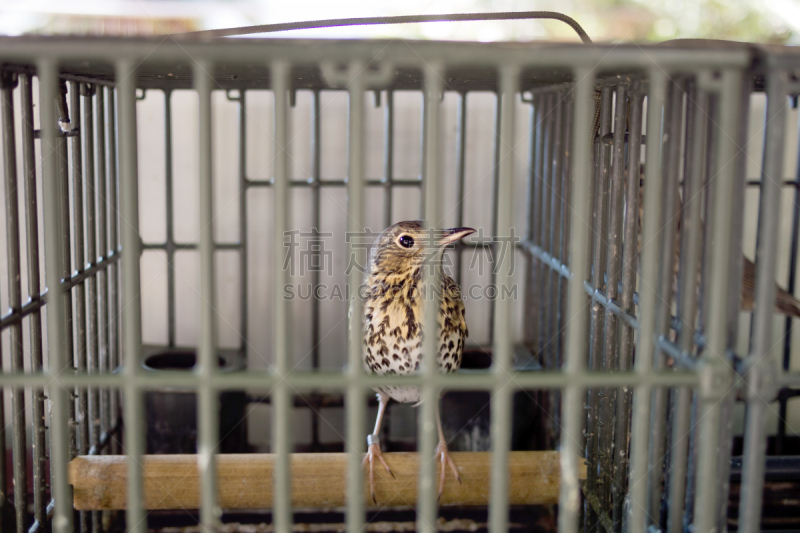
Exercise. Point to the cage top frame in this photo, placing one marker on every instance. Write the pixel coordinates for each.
(168, 62)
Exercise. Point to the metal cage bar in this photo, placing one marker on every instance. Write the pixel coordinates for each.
(281, 429)
(501, 402)
(495, 203)
(629, 258)
(307, 183)
(716, 374)
(66, 265)
(84, 441)
(92, 340)
(736, 231)
(58, 353)
(354, 396)
(710, 171)
(243, 213)
(79, 146)
(461, 158)
(19, 428)
(114, 213)
(316, 222)
(5, 505)
(637, 477)
(303, 381)
(671, 153)
(208, 398)
(554, 163)
(92, 325)
(103, 353)
(691, 233)
(431, 279)
(543, 156)
(566, 188)
(613, 490)
(577, 310)
(316, 206)
(388, 158)
(597, 468)
(762, 362)
(532, 264)
(169, 227)
(670, 157)
(34, 288)
(133, 404)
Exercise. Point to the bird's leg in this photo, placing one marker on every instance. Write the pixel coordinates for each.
(443, 455)
(374, 445)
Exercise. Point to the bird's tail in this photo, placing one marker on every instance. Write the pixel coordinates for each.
(787, 304)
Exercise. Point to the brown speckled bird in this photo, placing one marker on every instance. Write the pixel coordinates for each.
(393, 318)
(785, 303)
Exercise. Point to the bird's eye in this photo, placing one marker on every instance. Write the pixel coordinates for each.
(406, 241)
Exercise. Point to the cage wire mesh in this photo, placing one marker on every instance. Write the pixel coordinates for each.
(635, 179)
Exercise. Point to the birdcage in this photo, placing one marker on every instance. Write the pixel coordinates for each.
(166, 200)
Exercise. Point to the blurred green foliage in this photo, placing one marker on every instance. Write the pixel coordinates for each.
(763, 21)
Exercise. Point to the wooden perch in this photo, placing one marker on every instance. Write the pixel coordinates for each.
(318, 480)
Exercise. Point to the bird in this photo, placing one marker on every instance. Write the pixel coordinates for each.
(393, 322)
(785, 302)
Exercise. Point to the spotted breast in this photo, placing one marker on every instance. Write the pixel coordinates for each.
(393, 334)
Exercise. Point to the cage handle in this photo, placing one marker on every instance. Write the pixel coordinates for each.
(405, 19)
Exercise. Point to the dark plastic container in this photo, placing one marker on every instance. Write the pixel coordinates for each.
(171, 412)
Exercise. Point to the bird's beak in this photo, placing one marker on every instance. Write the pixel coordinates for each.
(452, 235)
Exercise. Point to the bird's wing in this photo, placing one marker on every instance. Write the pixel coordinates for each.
(785, 303)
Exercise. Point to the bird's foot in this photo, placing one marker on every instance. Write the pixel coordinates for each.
(444, 456)
(373, 453)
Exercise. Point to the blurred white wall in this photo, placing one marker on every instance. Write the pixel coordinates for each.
(259, 115)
